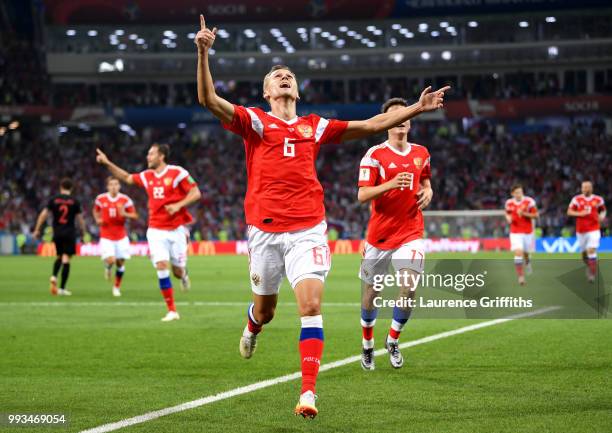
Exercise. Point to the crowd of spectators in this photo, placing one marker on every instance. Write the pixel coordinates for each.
(473, 169)
(322, 91)
(22, 77)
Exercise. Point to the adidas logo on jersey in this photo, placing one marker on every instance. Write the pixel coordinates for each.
(392, 165)
(273, 125)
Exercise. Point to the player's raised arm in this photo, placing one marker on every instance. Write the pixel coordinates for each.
(115, 170)
(429, 101)
(207, 96)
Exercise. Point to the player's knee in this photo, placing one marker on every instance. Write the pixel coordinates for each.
(65, 258)
(311, 307)
(120, 262)
(178, 272)
(161, 266)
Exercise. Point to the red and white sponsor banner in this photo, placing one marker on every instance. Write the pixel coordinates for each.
(345, 246)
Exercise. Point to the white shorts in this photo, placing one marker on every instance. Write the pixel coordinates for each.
(522, 241)
(298, 255)
(168, 245)
(589, 240)
(118, 249)
(410, 255)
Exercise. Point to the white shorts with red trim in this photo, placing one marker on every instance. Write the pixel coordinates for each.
(589, 240)
(297, 255)
(522, 241)
(168, 245)
(118, 249)
(410, 255)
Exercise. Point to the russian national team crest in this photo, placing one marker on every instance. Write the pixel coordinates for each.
(305, 130)
(167, 181)
(418, 162)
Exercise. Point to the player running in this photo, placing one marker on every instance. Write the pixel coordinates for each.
(111, 210)
(170, 190)
(395, 178)
(521, 213)
(589, 210)
(284, 201)
(65, 209)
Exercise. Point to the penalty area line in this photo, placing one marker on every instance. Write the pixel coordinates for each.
(149, 416)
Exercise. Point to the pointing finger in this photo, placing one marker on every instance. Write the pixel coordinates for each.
(202, 22)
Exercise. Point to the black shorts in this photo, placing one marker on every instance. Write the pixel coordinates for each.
(65, 245)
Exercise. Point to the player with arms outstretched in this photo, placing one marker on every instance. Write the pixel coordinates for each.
(170, 190)
(111, 211)
(65, 210)
(521, 213)
(589, 210)
(284, 201)
(395, 178)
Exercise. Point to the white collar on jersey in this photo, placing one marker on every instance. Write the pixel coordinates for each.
(288, 122)
(404, 153)
(161, 173)
(111, 199)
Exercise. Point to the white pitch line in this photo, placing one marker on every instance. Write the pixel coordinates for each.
(154, 304)
(282, 379)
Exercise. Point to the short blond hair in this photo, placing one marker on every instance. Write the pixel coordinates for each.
(272, 70)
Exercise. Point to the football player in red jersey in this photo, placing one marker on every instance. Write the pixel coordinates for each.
(284, 202)
(521, 213)
(111, 211)
(170, 190)
(589, 210)
(394, 177)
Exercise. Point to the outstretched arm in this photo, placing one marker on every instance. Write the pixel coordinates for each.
(207, 96)
(115, 170)
(428, 101)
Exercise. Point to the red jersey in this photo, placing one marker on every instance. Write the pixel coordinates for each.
(521, 224)
(283, 191)
(594, 204)
(169, 186)
(113, 224)
(395, 217)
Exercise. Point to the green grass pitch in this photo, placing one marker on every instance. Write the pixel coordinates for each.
(102, 359)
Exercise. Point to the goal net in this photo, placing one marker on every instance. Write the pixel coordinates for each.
(465, 224)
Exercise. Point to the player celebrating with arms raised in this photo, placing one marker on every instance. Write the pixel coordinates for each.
(284, 201)
(589, 210)
(395, 177)
(111, 210)
(521, 213)
(170, 190)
